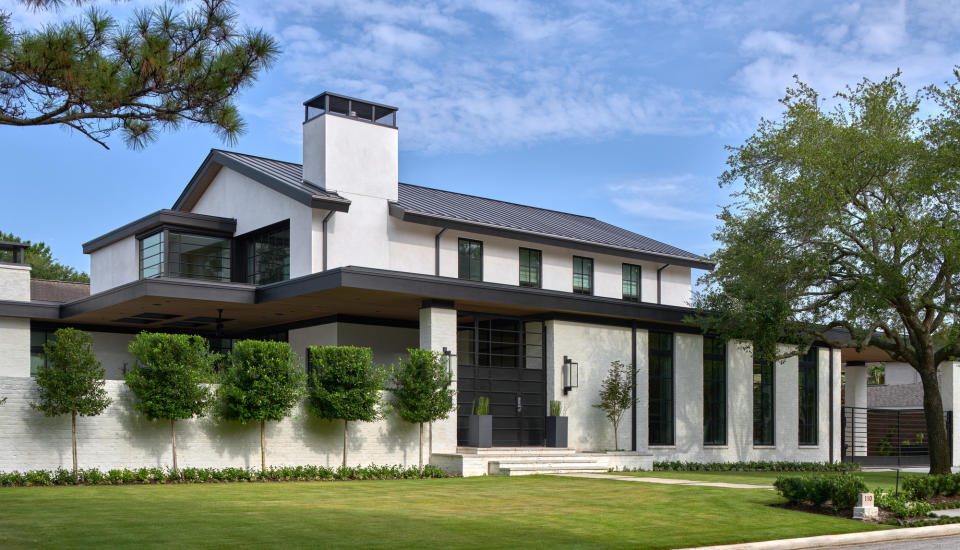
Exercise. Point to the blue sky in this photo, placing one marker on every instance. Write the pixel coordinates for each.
(615, 110)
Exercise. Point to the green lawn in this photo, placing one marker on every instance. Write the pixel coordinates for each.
(486, 513)
(873, 480)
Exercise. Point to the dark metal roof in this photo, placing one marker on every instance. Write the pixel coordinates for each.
(478, 214)
(284, 177)
(162, 217)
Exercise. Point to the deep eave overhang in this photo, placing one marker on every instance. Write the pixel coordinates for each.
(32, 310)
(435, 220)
(217, 159)
(163, 217)
(236, 293)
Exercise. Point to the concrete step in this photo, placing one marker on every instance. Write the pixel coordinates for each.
(516, 451)
(561, 459)
(515, 469)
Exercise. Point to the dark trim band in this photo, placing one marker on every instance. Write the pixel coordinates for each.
(202, 222)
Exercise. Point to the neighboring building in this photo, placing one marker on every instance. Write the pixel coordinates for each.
(336, 251)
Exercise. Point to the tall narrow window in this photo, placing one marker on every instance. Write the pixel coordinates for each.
(37, 356)
(531, 265)
(471, 260)
(631, 282)
(266, 254)
(660, 404)
(714, 392)
(152, 257)
(807, 389)
(763, 408)
(582, 275)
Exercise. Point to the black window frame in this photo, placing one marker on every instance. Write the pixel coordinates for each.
(37, 351)
(168, 266)
(661, 389)
(623, 274)
(241, 265)
(465, 270)
(584, 291)
(714, 378)
(538, 267)
(808, 425)
(764, 403)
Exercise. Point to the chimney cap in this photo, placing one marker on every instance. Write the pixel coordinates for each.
(350, 107)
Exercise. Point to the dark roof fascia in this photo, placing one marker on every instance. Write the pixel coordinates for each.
(375, 104)
(32, 310)
(400, 212)
(302, 196)
(163, 217)
(447, 288)
(236, 293)
(12, 244)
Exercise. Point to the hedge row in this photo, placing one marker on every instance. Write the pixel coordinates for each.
(841, 491)
(924, 487)
(677, 466)
(95, 476)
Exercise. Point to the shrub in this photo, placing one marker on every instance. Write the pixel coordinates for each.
(677, 466)
(841, 491)
(900, 506)
(925, 486)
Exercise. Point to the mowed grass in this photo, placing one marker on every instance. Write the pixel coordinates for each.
(873, 479)
(486, 513)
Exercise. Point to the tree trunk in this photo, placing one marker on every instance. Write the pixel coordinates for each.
(173, 442)
(430, 444)
(421, 444)
(263, 447)
(936, 428)
(344, 443)
(73, 420)
(616, 440)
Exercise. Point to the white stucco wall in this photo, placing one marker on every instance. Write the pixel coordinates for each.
(110, 348)
(14, 347)
(351, 156)
(114, 265)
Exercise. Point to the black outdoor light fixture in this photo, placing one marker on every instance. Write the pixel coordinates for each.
(570, 374)
(447, 358)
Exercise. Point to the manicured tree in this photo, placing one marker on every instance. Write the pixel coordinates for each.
(170, 377)
(421, 391)
(72, 380)
(616, 395)
(263, 381)
(345, 385)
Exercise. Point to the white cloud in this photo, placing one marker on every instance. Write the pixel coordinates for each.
(656, 198)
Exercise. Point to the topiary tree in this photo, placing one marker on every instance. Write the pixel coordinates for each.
(71, 381)
(345, 385)
(616, 395)
(263, 381)
(170, 377)
(421, 391)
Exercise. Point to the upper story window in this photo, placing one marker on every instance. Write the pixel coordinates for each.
(582, 275)
(631, 282)
(470, 260)
(265, 254)
(152, 258)
(177, 253)
(531, 267)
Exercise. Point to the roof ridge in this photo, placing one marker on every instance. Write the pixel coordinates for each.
(499, 200)
(255, 156)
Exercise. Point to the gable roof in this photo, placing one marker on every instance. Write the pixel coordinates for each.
(283, 177)
(453, 210)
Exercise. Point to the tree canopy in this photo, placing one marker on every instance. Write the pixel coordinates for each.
(845, 229)
(44, 266)
(163, 68)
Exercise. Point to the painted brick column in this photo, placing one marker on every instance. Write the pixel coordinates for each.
(14, 331)
(855, 399)
(438, 330)
(643, 391)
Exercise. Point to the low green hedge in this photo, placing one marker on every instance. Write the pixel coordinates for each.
(924, 487)
(677, 466)
(900, 505)
(95, 476)
(840, 491)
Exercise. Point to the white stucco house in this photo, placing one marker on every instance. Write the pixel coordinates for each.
(337, 251)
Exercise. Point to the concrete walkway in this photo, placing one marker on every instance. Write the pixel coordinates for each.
(666, 481)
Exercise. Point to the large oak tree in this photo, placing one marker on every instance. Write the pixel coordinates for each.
(846, 229)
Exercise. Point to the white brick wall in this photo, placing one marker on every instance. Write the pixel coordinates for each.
(14, 347)
(15, 282)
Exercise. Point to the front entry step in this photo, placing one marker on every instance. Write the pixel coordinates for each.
(516, 451)
(520, 468)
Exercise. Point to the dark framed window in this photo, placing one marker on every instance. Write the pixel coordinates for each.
(37, 357)
(265, 254)
(531, 267)
(763, 403)
(714, 391)
(660, 405)
(631, 282)
(152, 257)
(470, 260)
(196, 256)
(807, 389)
(582, 275)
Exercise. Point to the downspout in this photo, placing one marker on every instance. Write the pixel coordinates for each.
(831, 404)
(325, 220)
(633, 354)
(658, 280)
(436, 252)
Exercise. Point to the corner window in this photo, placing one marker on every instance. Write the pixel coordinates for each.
(582, 275)
(152, 258)
(763, 408)
(265, 254)
(714, 391)
(470, 260)
(177, 253)
(807, 389)
(531, 267)
(631, 282)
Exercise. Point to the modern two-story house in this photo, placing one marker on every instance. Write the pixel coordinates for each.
(528, 305)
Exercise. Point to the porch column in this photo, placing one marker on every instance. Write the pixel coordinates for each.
(438, 330)
(950, 394)
(855, 409)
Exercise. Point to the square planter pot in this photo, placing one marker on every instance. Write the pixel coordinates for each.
(480, 430)
(556, 431)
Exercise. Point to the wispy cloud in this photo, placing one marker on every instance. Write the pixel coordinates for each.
(656, 198)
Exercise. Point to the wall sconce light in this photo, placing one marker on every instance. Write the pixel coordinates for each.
(447, 358)
(571, 376)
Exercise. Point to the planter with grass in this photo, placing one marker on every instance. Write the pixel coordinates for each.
(480, 426)
(556, 426)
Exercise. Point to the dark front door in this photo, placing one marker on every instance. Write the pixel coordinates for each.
(502, 359)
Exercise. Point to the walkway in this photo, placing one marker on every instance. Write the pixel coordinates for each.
(666, 481)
